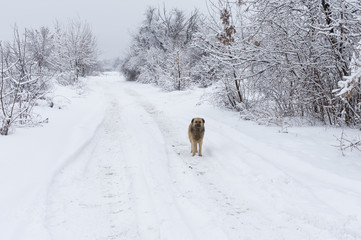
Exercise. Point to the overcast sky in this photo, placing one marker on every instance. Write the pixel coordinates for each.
(111, 20)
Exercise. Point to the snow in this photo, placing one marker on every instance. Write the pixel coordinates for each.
(115, 163)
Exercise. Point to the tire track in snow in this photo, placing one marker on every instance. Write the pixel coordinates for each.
(288, 194)
(119, 186)
(90, 199)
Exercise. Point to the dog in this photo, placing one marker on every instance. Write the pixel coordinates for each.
(195, 133)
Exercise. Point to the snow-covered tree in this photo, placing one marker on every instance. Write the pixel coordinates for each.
(287, 56)
(32, 58)
(161, 50)
(41, 47)
(75, 51)
(23, 81)
(222, 44)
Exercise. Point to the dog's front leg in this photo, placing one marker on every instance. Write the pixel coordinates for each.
(194, 148)
(200, 149)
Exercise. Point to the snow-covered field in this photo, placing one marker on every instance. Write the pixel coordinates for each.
(115, 163)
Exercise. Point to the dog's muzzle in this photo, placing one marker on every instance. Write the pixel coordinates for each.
(198, 125)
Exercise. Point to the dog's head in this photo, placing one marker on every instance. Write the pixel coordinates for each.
(198, 122)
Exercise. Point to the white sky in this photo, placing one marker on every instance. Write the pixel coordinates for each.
(112, 21)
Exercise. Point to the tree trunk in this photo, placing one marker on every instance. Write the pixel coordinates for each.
(4, 130)
(240, 98)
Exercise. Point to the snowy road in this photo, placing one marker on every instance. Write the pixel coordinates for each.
(135, 177)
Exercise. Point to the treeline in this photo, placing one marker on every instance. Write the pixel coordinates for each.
(270, 59)
(33, 59)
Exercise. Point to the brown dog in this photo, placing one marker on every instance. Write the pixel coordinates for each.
(195, 134)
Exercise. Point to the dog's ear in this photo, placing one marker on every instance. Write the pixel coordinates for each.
(192, 120)
(203, 120)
